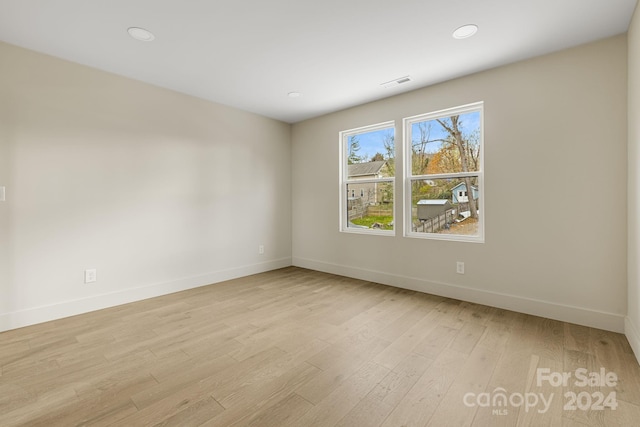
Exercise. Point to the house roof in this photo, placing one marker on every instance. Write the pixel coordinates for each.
(434, 202)
(364, 169)
(474, 187)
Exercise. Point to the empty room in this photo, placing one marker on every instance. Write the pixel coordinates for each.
(304, 213)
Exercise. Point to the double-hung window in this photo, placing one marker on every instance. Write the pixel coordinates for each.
(367, 176)
(444, 184)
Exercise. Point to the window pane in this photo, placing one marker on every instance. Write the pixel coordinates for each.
(372, 210)
(371, 154)
(443, 206)
(446, 145)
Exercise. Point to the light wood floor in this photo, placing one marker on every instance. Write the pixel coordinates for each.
(295, 347)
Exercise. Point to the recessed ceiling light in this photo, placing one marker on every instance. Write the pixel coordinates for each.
(141, 34)
(465, 31)
(294, 94)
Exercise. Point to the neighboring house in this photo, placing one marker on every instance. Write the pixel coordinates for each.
(368, 170)
(459, 193)
(432, 208)
(368, 192)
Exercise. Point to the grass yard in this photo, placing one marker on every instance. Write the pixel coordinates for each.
(368, 221)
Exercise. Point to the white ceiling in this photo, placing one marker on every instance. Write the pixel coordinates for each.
(249, 54)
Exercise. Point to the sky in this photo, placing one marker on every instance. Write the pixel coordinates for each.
(372, 142)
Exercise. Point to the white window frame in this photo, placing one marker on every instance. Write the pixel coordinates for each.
(408, 176)
(345, 182)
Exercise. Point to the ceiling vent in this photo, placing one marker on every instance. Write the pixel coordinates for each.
(396, 82)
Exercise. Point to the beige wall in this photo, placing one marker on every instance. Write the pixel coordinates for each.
(632, 327)
(159, 191)
(552, 124)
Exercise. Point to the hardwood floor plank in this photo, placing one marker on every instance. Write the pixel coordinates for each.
(404, 344)
(285, 413)
(475, 313)
(576, 337)
(550, 338)
(609, 350)
(176, 410)
(180, 379)
(421, 401)
(344, 398)
(11, 351)
(516, 357)
(436, 341)
(627, 414)
(253, 400)
(194, 414)
(267, 373)
(378, 404)
(413, 315)
(496, 335)
(14, 396)
(337, 365)
(542, 414)
(472, 377)
(573, 360)
(37, 413)
(467, 338)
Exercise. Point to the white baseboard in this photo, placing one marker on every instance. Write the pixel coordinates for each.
(631, 332)
(32, 316)
(566, 313)
(592, 318)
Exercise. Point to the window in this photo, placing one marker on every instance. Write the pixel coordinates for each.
(367, 164)
(444, 174)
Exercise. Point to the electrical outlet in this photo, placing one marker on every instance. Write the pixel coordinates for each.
(90, 275)
(460, 267)
(2, 194)
(261, 249)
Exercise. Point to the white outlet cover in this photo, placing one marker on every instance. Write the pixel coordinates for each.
(90, 275)
(2, 194)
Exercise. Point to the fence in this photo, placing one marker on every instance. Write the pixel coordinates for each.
(359, 210)
(379, 211)
(437, 223)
